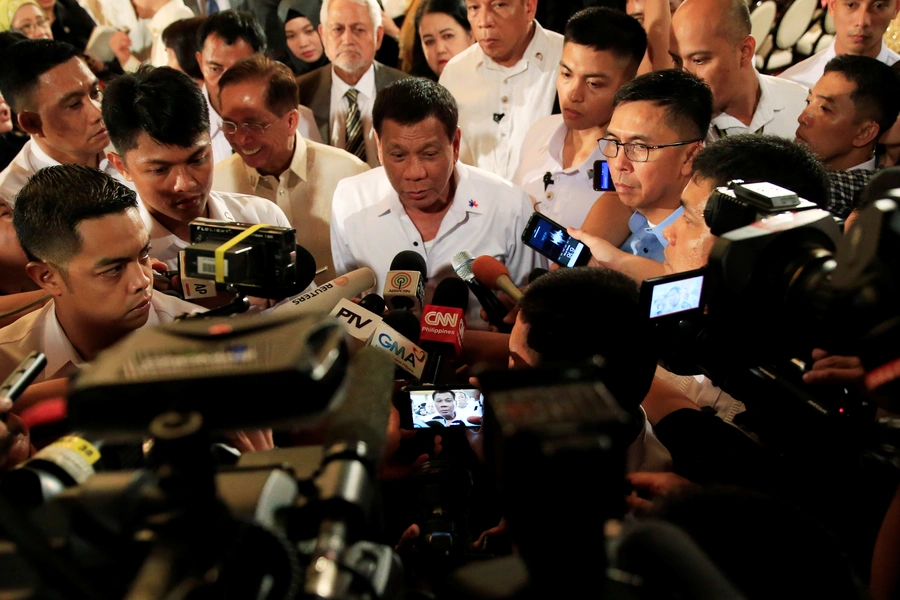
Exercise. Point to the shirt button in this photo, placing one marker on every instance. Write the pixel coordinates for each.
(417, 243)
(549, 195)
(539, 56)
(281, 192)
(504, 99)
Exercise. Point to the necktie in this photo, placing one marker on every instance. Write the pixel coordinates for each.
(354, 143)
(212, 7)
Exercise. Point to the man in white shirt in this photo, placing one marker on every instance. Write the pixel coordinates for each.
(159, 125)
(161, 14)
(603, 49)
(341, 95)
(57, 100)
(505, 82)
(715, 44)
(859, 30)
(436, 206)
(273, 161)
(89, 249)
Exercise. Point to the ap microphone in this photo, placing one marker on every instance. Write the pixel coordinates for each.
(325, 297)
(443, 325)
(398, 334)
(494, 274)
(496, 311)
(404, 285)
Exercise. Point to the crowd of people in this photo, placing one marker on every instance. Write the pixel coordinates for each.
(437, 129)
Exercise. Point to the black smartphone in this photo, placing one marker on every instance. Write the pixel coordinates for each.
(671, 294)
(602, 177)
(550, 239)
(442, 406)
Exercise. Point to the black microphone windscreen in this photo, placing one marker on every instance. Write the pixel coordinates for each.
(306, 267)
(363, 414)
(373, 303)
(409, 261)
(536, 273)
(405, 323)
(451, 292)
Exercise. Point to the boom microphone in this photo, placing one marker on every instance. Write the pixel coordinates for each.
(494, 274)
(404, 285)
(325, 297)
(443, 326)
(496, 311)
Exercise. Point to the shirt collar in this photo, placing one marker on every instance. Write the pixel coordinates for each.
(868, 165)
(638, 223)
(365, 86)
(883, 55)
(537, 53)
(62, 357)
(765, 111)
(297, 166)
(214, 118)
(40, 159)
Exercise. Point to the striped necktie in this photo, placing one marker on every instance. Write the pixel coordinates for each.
(354, 140)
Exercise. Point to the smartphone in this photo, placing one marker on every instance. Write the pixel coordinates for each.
(602, 177)
(442, 406)
(673, 294)
(550, 239)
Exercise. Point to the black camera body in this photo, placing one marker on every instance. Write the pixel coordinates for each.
(739, 204)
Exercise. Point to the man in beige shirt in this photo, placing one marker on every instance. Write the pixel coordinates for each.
(259, 99)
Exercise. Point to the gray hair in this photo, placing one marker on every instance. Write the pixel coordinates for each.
(371, 5)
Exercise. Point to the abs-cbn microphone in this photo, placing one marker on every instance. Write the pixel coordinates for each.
(325, 297)
(398, 334)
(404, 285)
(443, 325)
(360, 320)
(496, 311)
(494, 274)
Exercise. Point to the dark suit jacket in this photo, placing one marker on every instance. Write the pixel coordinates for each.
(315, 92)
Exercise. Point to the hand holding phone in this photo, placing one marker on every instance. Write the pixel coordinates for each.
(550, 239)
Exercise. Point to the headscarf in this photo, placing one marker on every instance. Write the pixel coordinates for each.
(291, 9)
(9, 8)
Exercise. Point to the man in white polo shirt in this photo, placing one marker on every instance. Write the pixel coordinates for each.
(504, 83)
(436, 206)
(859, 28)
(159, 125)
(715, 44)
(603, 49)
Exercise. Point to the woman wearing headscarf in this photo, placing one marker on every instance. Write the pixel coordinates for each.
(26, 17)
(299, 46)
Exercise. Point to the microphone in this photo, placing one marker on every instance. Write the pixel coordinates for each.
(398, 334)
(462, 264)
(494, 274)
(548, 180)
(443, 325)
(360, 320)
(498, 116)
(404, 285)
(305, 267)
(325, 297)
(354, 443)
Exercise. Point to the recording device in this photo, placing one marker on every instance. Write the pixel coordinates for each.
(673, 294)
(551, 240)
(257, 260)
(494, 274)
(398, 334)
(603, 181)
(360, 319)
(437, 407)
(738, 204)
(462, 263)
(443, 326)
(17, 381)
(404, 284)
(324, 298)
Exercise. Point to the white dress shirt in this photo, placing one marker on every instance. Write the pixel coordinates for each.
(41, 331)
(570, 195)
(487, 217)
(869, 165)
(220, 146)
(809, 71)
(340, 105)
(173, 10)
(223, 206)
(522, 93)
(780, 104)
(304, 192)
(31, 159)
(701, 391)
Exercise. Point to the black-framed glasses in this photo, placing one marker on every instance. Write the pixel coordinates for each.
(634, 151)
(230, 127)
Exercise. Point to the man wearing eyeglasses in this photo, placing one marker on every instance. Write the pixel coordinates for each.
(657, 127)
(271, 159)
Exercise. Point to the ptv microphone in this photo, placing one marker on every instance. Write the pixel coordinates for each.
(398, 334)
(404, 286)
(325, 297)
(494, 274)
(443, 326)
(360, 320)
(496, 311)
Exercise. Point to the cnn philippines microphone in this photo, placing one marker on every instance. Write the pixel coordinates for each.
(496, 311)
(325, 297)
(398, 334)
(354, 442)
(404, 285)
(443, 326)
(494, 274)
(360, 320)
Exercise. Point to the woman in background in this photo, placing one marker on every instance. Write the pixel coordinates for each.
(26, 17)
(444, 31)
(302, 48)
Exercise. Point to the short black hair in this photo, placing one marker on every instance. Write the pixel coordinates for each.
(687, 99)
(601, 28)
(55, 200)
(412, 100)
(8, 38)
(601, 315)
(877, 93)
(754, 158)
(452, 8)
(232, 25)
(181, 38)
(24, 62)
(165, 103)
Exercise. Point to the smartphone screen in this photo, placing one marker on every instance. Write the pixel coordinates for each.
(551, 240)
(676, 296)
(445, 407)
(602, 177)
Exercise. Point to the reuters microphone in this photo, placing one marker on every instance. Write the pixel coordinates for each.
(494, 274)
(389, 336)
(404, 285)
(324, 298)
(443, 326)
(360, 320)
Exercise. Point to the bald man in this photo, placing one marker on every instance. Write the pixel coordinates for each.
(714, 43)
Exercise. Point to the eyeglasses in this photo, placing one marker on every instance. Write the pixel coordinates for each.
(633, 151)
(27, 29)
(230, 127)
